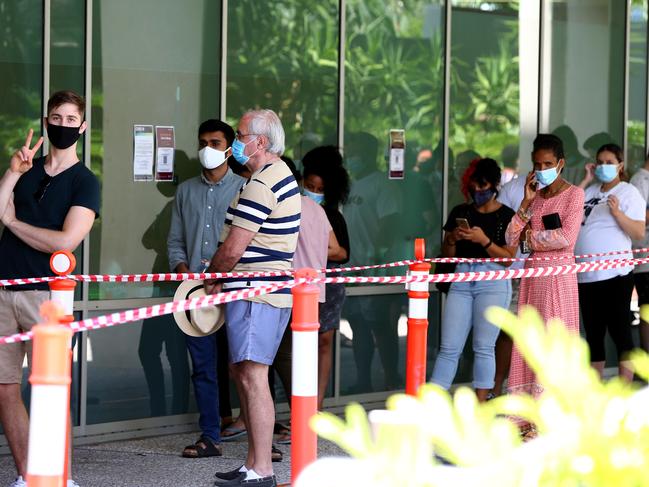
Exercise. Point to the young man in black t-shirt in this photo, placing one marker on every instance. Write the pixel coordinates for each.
(55, 202)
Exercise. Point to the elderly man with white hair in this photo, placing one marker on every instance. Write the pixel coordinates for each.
(260, 234)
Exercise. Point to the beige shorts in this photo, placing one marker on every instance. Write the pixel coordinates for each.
(19, 311)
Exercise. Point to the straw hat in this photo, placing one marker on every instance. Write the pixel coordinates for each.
(197, 322)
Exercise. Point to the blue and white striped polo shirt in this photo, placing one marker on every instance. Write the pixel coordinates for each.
(268, 204)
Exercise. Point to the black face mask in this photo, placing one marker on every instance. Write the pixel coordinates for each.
(62, 137)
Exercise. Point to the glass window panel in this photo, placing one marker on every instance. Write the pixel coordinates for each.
(394, 79)
(21, 65)
(67, 45)
(138, 370)
(154, 62)
(484, 111)
(21, 83)
(286, 59)
(373, 342)
(584, 41)
(636, 122)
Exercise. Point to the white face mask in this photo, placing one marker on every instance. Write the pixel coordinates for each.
(211, 158)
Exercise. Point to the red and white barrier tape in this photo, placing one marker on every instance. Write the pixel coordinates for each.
(491, 275)
(211, 300)
(129, 316)
(171, 276)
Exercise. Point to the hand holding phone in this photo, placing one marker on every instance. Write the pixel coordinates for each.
(462, 223)
(531, 186)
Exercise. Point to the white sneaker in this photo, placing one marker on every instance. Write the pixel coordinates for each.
(20, 482)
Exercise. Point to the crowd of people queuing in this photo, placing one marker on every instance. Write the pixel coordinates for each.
(251, 209)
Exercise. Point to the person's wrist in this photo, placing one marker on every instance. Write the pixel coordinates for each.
(487, 244)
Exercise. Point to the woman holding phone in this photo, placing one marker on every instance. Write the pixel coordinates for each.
(547, 224)
(474, 230)
(614, 214)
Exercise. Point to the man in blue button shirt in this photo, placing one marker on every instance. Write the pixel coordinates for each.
(196, 222)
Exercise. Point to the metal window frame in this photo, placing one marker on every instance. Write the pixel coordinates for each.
(86, 433)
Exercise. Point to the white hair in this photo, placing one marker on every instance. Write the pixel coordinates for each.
(266, 122)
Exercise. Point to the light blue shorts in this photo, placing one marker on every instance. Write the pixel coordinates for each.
(254, 330)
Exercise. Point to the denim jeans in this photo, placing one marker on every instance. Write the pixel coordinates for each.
(464, 310)
(203, 352)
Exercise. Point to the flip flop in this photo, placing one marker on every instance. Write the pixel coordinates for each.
(231, 432)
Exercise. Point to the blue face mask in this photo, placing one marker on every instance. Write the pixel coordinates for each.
(606, 172)
(317, 197)
(238, 149)
(547, 176)
(482, 197)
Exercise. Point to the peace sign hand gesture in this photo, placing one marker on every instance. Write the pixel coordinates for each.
(21, 161)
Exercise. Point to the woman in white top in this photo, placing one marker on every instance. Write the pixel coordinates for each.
(614, 215)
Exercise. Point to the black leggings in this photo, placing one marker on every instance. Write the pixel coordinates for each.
(605, 306)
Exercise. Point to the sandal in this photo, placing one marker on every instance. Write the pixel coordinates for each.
(284, 439)
(232, 432)
(528, 433)
(281, 429)
(203, 448)
(276, 454)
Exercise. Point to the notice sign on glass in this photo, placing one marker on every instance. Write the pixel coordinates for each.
(165, 147)
(397, 154)
(143, 152)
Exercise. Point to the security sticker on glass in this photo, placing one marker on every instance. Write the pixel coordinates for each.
(397, 153)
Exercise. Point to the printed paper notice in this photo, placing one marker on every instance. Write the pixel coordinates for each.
(143, 152)
(397, 154)
(165, 147)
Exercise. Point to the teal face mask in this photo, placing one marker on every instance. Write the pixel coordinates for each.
(317, 197)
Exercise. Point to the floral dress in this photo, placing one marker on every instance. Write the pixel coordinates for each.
(552, 296)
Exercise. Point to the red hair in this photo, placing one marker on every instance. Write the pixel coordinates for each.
(466, 178)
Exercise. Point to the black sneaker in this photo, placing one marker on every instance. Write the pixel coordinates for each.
(232, 482)
(231, 475)
(269, 481)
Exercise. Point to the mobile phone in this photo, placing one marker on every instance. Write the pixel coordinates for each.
(462, 223)
(551, 221)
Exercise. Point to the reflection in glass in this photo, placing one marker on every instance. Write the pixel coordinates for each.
(130, 378)
(67, 49)
(484, 89)
(286, 59)
(585, 40)
(146, 74)
(394, 79)
(636, 124)
(21, 56)
(373, 343)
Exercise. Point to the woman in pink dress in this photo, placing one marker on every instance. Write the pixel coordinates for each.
(548, 223)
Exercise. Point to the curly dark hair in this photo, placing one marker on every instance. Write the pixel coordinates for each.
(327, 163)
(481, 171)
